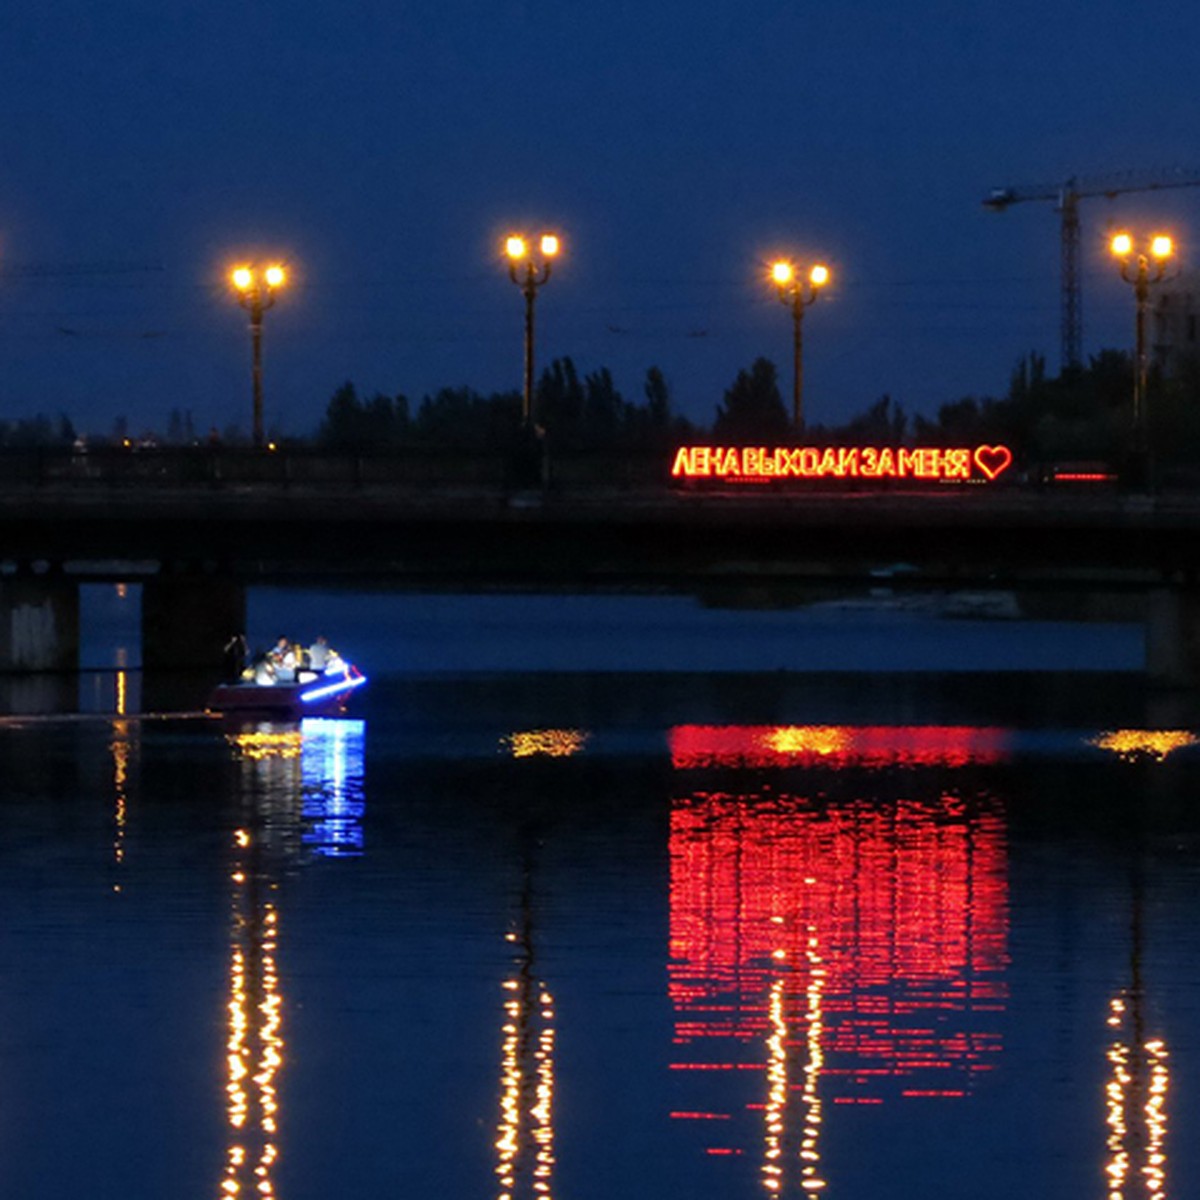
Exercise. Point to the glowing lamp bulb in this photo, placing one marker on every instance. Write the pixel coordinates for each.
(243, 279)
(275, 276)
(819, 275)
(549, 245)
(516, 248)
(1161, 246)
(1121, 245)
(782, 273)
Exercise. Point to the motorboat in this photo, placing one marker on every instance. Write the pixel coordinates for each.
(309, 695)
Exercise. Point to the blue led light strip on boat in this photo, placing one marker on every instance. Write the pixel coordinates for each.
(331, 689)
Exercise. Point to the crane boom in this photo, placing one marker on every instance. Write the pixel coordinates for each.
(1066, 197)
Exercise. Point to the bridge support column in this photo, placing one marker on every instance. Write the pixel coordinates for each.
(1173, 636)
(39, 623)
(187, 618)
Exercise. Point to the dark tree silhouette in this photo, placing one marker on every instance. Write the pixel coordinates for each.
(752, 410)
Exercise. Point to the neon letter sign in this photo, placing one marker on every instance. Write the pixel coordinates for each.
(761, 464)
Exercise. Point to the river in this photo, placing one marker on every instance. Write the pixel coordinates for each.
(610, 896)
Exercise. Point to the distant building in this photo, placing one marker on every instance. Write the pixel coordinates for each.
(1175, 322)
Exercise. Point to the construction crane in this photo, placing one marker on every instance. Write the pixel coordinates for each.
(1066, 197)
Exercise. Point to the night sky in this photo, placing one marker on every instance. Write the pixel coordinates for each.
(383, 149)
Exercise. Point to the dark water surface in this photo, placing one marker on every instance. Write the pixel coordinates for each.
(591, 935)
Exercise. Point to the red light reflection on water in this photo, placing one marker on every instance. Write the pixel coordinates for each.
(695, 746)
(854, 949)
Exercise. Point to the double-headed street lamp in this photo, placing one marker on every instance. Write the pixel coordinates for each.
(256, 287)
(798, 293)
(529, 269)
(1141, 268)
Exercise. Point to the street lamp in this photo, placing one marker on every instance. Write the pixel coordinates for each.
(1141, 269)
(256, 288)
(798, 293)
(529, 269)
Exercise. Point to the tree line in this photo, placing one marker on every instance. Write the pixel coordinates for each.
(1083, 413)
(575, 410)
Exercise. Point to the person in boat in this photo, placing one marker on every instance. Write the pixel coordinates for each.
(284, 659)
(319, 654)
(235, 653)
(263, 671)
(323, 659)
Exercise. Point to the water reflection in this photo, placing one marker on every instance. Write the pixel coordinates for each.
(332, 773)
(852, 949)
(781, 1154)
(525, 1130)
(299, 787)
(696, 746)
(1135, 744)
(838, 915)
(306, 782)
(1139, 1077)
(1136, 1097)
(116, 690)
(254, 1044)
(545, 743)
(122, 748)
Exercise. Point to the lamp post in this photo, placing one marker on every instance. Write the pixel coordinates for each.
(529, 269)
(798, 293)
(256, 289)
(1141, 269)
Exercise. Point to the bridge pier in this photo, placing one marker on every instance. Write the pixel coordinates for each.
(39, 623)
(187, 618)
(1173, 636)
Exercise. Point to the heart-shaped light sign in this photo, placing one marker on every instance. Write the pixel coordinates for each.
(993, 460)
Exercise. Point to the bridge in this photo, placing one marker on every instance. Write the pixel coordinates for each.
(196, 529)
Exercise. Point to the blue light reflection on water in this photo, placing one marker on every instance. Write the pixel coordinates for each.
(331, 762)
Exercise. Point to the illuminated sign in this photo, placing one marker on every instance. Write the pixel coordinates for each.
(763, 464)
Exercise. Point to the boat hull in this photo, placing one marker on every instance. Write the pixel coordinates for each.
(283, 701)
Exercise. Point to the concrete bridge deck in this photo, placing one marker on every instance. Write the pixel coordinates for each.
(197, 544)
(263, 533)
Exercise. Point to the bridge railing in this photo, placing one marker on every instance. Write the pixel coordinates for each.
(417, 467)
(405, 467)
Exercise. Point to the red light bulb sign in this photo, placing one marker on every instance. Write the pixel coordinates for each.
(766, 464)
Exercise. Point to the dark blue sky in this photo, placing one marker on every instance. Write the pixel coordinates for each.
(383, 149)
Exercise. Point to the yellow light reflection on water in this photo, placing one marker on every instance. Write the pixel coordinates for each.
(525, 1131)
(1144, 743)
(254, 1042)
(777, 1089)
(120, 749)
(808, 739)
(1135, 1096)
(776, 1160)
(260, 744)
(810, 1154)
(543, 1110)
(547, 743)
